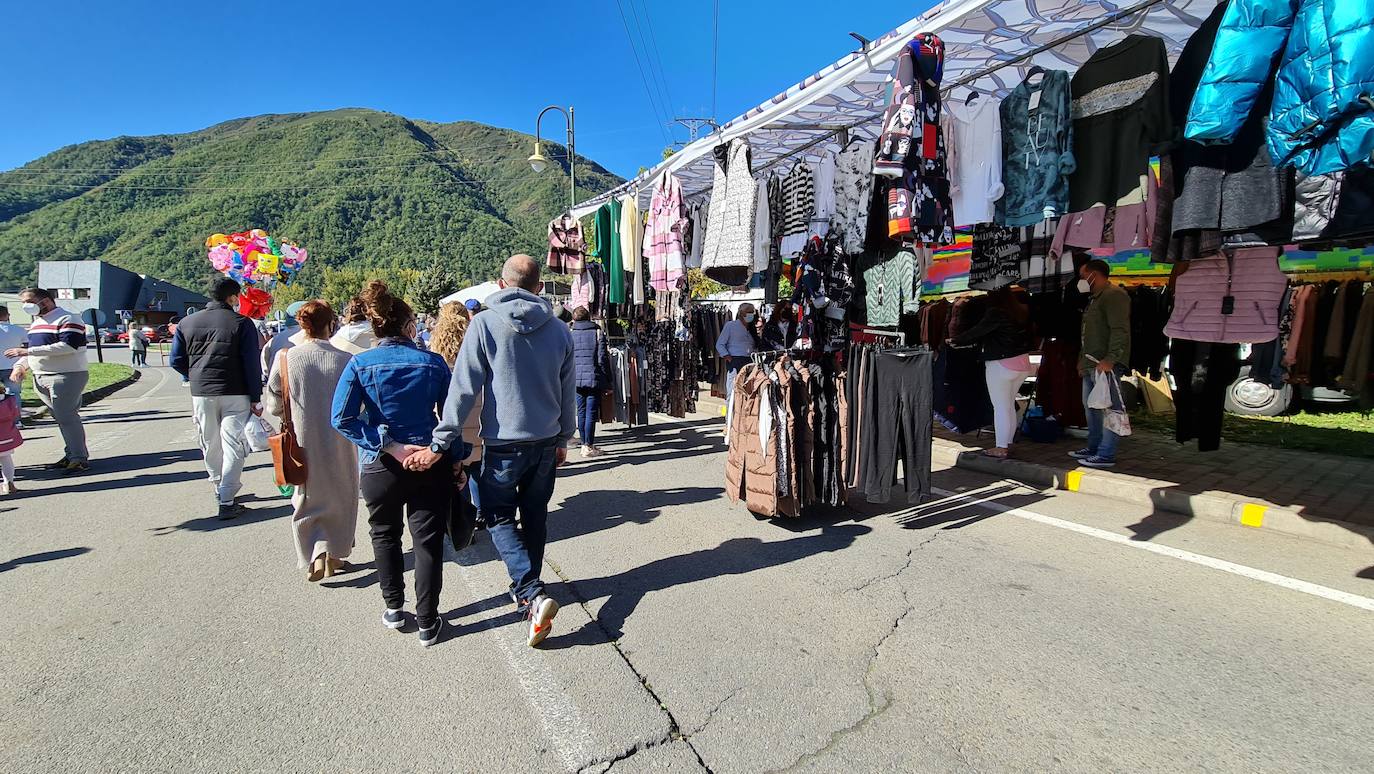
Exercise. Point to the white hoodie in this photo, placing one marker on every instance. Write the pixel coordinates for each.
(354, 337)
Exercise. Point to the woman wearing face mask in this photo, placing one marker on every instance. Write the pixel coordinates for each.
(388, 403)
(781, 331)
(736, 344)
(326, 506)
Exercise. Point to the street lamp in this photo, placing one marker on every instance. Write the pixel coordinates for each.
(539, 162)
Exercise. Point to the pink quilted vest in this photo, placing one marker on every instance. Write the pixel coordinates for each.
(1253, 282)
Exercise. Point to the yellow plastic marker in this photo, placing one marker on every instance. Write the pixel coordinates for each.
(1252, 515)
(1072, 479)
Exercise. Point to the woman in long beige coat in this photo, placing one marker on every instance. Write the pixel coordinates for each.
(327, 504)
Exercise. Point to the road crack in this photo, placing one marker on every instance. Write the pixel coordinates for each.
(674, 733)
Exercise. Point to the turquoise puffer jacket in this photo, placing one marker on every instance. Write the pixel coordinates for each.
(1322, 118)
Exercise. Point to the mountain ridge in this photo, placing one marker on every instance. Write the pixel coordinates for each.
(353, 186)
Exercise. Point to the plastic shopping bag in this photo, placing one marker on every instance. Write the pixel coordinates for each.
(1118, 422)
(1101, 395)
(256, 432)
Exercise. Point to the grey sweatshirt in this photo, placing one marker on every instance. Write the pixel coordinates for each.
(519, 359)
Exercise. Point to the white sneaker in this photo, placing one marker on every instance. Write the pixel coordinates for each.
(591, 451)
(541, 612)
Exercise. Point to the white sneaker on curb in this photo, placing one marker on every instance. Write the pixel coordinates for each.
(541, 612)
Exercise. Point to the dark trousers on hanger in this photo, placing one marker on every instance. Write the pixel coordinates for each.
(1202, 372)
(897, 425)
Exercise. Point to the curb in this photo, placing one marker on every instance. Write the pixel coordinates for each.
(87, 398)
(1163, 495)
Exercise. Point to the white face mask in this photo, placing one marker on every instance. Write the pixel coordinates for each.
(1084, 286)
(31, 310)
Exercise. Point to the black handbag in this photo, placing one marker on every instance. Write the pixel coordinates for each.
(462, 519)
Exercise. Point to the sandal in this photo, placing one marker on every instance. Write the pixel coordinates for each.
(317, 570)
(996, 453)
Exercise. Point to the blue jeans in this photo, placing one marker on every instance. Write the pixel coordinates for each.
(588, 411)
(1101, 441)
(519, 476)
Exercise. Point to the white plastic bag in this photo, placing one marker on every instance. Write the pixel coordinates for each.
(1118, 422)
(1101, 395)
(255, 432)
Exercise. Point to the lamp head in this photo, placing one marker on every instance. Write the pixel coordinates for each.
(538, 162)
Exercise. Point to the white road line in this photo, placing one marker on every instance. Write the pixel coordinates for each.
(556, 712)
(1264, 576)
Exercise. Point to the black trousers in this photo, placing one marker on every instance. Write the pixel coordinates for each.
(395, 495)
(897, 406)
(1202, 372)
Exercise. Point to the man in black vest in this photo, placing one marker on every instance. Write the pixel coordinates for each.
(218, 350)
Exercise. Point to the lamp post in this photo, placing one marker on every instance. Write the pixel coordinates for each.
(539, 162)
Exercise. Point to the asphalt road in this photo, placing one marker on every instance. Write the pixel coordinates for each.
(996, 629)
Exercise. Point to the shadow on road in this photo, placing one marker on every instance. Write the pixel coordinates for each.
(737, 556)
(212, 523)
(133, 416)
(588, 512)
(46, 556)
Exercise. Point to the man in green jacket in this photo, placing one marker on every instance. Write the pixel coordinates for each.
(1107, 350)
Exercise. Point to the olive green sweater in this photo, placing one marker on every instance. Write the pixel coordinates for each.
(1107, 328)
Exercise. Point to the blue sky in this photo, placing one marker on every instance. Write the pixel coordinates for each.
(84, 71)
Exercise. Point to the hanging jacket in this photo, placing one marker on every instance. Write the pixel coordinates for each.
(730, 234)
(664, 234)
(567, 248)
(1251, 278)
(1322, 118)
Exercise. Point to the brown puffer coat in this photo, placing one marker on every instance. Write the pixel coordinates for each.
(750, 473)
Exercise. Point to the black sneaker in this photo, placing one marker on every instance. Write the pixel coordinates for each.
(431, 635)
(541, 612)
(80, 466)
(59, 465)
(393, 619)
(231, 511)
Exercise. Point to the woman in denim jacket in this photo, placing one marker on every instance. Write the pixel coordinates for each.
(387, 404)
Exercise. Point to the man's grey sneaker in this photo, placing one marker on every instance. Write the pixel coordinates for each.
(393, 619)
(231, 511)
(431, 635)
(541, 613)
(1097, 462)
(1082, 454)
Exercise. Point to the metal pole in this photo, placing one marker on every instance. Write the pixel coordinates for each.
(572, 161)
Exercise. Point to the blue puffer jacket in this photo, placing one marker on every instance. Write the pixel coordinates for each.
(591, 362)
(1322, 119)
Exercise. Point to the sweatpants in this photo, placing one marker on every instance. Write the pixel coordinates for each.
(1003, 384)
(220, 420)
(395, 496)
(897, 425)
(61, 393)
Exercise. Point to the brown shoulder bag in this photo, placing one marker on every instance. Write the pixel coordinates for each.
(288, 458)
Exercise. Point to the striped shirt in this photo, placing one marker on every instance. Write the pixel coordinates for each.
(798, 199)
(57, 343)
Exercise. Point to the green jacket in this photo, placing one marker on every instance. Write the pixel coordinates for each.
(1107, 328)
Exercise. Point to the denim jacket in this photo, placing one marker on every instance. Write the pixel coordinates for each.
(391, 393)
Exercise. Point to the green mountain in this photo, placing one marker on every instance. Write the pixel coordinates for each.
(356, 188)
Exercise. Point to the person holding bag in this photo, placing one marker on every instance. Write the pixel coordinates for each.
(299, 393)
(387, 404)
(592, 362)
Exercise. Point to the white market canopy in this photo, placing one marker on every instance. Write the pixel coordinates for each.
(479, 293)
(989, 46)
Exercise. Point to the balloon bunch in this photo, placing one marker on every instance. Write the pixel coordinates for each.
(258, 262)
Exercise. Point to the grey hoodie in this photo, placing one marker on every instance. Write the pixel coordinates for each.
(519, 359)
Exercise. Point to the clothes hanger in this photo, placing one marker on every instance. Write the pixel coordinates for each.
(1034, 71)
(973, 96)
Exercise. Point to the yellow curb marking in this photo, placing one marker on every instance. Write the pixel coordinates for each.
(1072, 479)
(1252, 515)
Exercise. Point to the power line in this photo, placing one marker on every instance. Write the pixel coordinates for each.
(113, 185)
(715, 57)
(645, 79)
(652, 54)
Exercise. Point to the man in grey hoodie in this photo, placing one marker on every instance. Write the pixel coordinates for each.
(519, 359)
